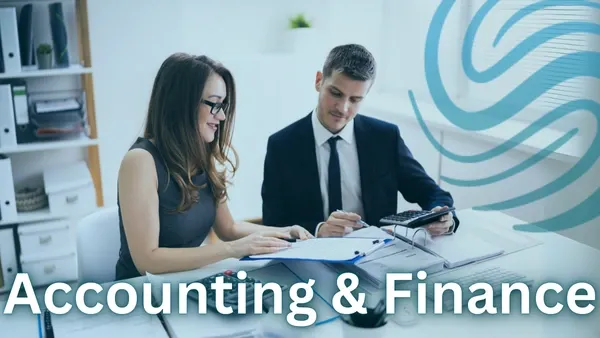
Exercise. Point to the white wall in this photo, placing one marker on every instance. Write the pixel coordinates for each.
(129, 40)
(127, 52)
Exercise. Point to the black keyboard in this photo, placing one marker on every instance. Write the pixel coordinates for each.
(230, 297)
(414, 218)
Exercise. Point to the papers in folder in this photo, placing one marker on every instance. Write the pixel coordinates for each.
(457, 250)
(396, 257)
(332, 250)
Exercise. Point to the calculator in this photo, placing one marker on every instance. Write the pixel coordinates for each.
(414, 218)
(230, 297)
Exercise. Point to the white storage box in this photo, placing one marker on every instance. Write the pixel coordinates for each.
(45, 238)
(70, 190)
(44, 270)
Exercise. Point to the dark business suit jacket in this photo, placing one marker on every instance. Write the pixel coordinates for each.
(291, 192)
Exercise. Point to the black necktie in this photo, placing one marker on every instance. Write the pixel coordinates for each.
(335, 181)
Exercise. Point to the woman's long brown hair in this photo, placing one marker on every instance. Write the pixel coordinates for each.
(172, 124)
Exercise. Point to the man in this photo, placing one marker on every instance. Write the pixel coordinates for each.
(334, 167)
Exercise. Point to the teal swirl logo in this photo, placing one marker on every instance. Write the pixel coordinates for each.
(565, 67)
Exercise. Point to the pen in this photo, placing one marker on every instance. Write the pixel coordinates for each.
(375, 247)
(360, 221)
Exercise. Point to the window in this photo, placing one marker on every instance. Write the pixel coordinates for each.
(406, 25)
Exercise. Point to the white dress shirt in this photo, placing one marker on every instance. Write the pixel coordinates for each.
(349, 167)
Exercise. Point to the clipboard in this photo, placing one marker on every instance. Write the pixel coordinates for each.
(329, 250)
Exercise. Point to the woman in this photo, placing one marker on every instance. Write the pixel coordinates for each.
(170, 190)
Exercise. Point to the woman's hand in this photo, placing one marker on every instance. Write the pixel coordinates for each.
(298, 232)
(259, 243)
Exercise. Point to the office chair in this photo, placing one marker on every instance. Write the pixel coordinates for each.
(98, 245)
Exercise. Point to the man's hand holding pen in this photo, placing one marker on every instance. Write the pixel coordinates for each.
(339, 224)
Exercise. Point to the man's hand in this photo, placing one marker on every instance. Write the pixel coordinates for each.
(299, 232)
(339, 223)
(443, 225)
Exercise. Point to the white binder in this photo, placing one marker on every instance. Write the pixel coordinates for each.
(8, 260)
(8, 133)
(8, 204)
(9, 37)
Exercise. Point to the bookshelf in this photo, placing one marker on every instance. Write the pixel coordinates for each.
(30, 160)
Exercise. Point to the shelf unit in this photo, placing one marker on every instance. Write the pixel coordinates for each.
(30, 217)
(28, 159)
(25, 74)
(82, 141)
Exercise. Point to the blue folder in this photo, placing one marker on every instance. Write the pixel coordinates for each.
(330, 250)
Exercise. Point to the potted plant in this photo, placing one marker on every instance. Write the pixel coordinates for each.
(299, 21)
(44, 56)
(301, 35)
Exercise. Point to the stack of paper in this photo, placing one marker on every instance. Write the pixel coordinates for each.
(457, 249)
(397, 257)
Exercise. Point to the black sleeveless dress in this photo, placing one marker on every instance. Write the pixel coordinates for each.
(177, 230)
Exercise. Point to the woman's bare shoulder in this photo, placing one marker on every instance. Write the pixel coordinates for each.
(137, 164)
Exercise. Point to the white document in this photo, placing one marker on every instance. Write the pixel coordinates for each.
(404, 259)
(333, 249)
(396, 256)
(57, 105)
(8, 133)
(107, 324)
(497, 229)
(369, 232)
(458, 249)
(9, 37)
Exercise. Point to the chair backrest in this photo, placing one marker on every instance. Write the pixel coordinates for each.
(98, 244)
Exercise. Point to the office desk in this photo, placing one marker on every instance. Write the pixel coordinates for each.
(558, 259)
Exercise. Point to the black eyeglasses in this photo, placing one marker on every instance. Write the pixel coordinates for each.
(216, 106)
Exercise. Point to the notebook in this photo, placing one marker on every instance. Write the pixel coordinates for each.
(458, 249)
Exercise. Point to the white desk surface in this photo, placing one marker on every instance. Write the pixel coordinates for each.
(558, 259)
